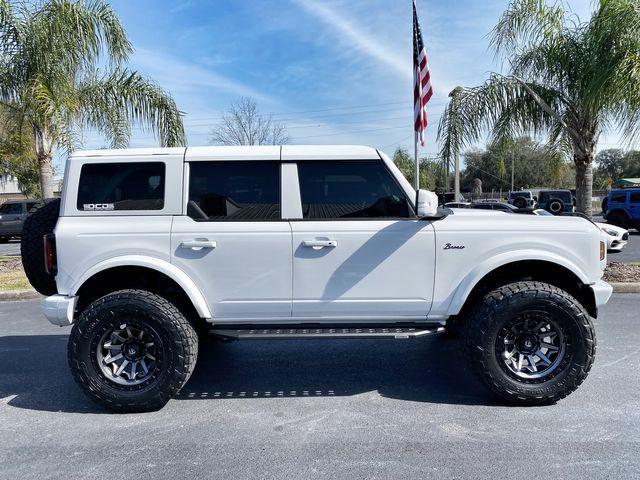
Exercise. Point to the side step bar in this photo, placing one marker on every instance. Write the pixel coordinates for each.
(396, 333)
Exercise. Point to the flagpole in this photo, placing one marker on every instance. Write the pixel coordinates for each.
(416, 180)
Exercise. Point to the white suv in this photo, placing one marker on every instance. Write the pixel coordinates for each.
(153, 247)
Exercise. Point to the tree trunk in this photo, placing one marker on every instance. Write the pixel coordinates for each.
(44, 145)
(584, 180)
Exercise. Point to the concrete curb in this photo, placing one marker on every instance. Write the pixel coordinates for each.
(625, 287)
(12, 295)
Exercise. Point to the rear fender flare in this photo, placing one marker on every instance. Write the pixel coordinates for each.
(162, 266)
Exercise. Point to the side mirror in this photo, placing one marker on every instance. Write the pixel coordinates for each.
(535, 198)
(426, 203)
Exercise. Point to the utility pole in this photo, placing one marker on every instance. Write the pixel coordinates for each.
(513, 164)
(456, 154)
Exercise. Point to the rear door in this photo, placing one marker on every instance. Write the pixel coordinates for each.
(634, 205)
(359, 252)
(233, 242)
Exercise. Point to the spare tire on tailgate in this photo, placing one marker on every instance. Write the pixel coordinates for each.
(520, 202)
(41, 221)
(556, 206)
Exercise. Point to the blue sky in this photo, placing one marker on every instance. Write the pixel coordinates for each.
(334, 71)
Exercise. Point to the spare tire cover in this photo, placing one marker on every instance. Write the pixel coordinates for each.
(41, 221)
(556, 206)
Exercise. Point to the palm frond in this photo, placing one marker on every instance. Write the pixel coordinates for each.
(502, 107)
(110, 102)
(526, 22)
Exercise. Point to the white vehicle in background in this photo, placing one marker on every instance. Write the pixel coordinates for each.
(617, 237)
(150, 248)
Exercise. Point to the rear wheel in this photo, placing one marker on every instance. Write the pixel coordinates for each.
(132, 350)
(530, 343)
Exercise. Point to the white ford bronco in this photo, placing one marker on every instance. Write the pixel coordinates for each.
(148, 249)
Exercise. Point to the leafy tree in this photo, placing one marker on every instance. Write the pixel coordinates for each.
(613, 164)
(535, 165)
(609, 166)
(432, 172)
(244, 125)
(17, 156)
(52, 82)
(566, 78)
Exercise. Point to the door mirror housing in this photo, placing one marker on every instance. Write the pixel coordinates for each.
(426, 203)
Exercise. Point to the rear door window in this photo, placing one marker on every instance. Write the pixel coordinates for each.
(121, 186)
(234, 191)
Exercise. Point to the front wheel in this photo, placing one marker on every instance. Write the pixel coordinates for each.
(530, 343)
(132, 350)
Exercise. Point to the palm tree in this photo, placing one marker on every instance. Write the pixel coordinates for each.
(62, 70)
(565, 78)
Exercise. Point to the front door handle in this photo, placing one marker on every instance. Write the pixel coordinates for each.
(198, 244)
(320, 243)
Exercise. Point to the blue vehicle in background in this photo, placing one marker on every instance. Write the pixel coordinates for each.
(622, 208)
(556, 201)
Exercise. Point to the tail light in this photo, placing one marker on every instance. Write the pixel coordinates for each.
(603, 251)
(50, 262)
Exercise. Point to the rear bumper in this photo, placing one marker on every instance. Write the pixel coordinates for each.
(601, 292)
(59, 309)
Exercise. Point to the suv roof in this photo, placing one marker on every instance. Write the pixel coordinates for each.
(263, 152)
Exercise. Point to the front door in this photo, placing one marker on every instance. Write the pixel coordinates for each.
(359, 253)
(232, 241)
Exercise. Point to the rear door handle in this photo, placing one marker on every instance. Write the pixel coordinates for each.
(320, 243)
(198, 244)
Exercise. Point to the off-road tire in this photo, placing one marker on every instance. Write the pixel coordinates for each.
(501, 306)
(177, 352)
(41, 221)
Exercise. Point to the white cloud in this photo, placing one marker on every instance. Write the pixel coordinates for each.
(177, 75)
(357, 37)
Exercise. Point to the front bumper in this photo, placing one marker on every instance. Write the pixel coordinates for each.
(601, 292)
(59, 309)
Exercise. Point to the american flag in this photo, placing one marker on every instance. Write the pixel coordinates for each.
(422, 90)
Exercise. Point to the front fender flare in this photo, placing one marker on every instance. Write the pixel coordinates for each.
(162, 266)
(480, 271)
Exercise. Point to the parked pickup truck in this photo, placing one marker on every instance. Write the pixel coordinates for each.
(149, 249)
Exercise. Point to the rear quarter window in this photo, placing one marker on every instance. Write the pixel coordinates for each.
(121, 186)
(619, 198)
(634, 197)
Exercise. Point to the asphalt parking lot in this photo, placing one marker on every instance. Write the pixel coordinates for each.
(318, 409)
(12, 248)
(630, 253)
